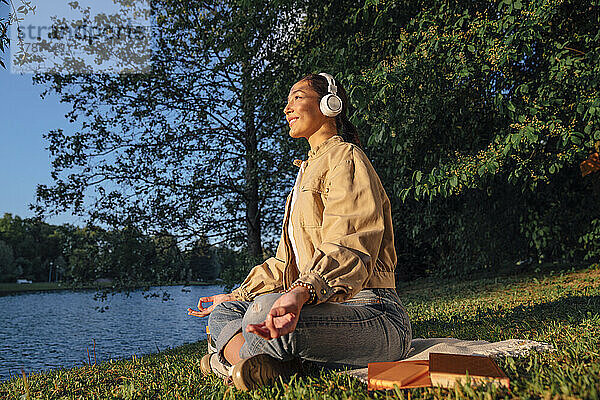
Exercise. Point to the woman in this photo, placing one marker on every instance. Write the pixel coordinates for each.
(328, 295)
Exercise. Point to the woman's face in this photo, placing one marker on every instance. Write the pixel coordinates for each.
(302, 111)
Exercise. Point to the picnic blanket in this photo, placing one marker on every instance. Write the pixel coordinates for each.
(420, 349)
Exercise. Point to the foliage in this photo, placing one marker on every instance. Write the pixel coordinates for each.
(557, 307)
(126, 257)
(476, 116)
(8, 269)
(204, 260)
(508, 88)
(192, 147)
(235, 266)
(15, 15)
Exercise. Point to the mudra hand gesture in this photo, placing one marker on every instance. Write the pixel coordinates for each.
(283, 316)
(215, 300)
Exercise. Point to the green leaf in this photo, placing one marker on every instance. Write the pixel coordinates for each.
(454, 181)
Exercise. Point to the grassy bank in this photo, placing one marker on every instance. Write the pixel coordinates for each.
(10, 288)
(561, 308)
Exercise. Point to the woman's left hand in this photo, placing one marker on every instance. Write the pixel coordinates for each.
(283, 316)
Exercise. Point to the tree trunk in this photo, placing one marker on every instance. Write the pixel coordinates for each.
(253, 223)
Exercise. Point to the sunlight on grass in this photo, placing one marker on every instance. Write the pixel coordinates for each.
(561, 308)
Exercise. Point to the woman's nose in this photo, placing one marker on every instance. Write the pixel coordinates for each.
(287, 109)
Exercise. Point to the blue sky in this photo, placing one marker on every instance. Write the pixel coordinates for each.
(24, 162)
(25, 118)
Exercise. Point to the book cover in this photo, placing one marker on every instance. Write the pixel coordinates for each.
(404, 374)
(446, 369)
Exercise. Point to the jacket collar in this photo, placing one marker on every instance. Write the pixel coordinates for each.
(323, 147)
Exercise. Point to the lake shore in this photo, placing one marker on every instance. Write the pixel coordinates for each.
(556, 307)
(13, 288)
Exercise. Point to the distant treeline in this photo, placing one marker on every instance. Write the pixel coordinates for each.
(41, 252)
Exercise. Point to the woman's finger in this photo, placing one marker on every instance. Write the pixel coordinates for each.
(259, 329)
(270, 325)
(208, 299)
(209, 309)
(195, 313)
(202, 312)
(284, 321)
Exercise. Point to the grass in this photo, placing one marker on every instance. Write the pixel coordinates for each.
(10, 288)
(561, 308)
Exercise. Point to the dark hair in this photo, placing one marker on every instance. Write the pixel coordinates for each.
(344, 127)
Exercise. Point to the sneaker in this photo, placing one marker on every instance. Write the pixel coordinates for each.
(209, 342)
(262, 369)
(210, 364)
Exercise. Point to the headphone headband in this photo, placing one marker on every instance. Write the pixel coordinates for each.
(331, 104)
(331, 88)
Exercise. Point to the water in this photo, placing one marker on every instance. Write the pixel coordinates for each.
(45, 330)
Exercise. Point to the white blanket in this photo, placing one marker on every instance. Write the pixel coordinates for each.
(420, 349)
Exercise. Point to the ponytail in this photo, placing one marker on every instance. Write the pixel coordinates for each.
(347, 130)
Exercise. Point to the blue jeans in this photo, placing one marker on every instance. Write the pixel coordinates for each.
(372, 326)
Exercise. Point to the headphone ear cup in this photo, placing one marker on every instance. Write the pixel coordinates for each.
(331, 105)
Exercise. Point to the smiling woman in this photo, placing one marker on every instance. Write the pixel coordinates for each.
(332, 277)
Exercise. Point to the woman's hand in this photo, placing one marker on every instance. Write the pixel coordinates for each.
(283, 316)
(215, 300)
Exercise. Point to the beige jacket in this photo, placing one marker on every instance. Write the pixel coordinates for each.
(342, 226)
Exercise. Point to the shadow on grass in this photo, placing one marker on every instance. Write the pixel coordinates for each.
(499, 325)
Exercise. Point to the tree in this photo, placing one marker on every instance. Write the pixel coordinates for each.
(8, 269)
(195, 147)
(476, 116)
(202, 261)
(15, 15)
(168, 262)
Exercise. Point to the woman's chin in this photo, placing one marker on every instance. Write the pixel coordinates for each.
(295, 134)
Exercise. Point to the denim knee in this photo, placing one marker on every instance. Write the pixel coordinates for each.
(225, 321)
(280, 348)
(260, 307)
(221, 314)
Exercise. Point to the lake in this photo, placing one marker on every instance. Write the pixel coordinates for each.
(45, 330)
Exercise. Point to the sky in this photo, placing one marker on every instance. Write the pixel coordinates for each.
(24, 160)
(25, 117)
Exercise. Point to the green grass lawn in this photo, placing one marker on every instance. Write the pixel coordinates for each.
(561, 308)
(11, 288)
(8, 288)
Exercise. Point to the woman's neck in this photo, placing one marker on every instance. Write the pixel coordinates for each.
(326, 132)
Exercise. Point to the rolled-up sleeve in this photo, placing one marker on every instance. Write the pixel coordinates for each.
(352, 231)
(263, 278)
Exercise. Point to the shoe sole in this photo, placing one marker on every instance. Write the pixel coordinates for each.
(261, 370)
(205, 365)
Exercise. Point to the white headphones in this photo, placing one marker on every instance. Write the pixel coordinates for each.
(331, 104)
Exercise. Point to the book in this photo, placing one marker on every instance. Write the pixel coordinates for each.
(447, 369)
(404, 374)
